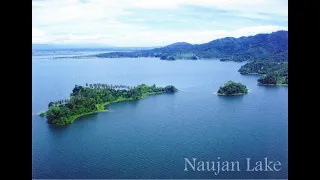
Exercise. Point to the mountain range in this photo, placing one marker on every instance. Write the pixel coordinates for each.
(269, 47)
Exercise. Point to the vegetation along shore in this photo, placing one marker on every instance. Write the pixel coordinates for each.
(92, 98)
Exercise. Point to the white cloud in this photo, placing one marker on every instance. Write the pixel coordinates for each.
(278, 7)
(99, 21)
(138, 20)
(40, 36)
(165, 38)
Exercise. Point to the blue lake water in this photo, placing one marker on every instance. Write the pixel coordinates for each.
(149, 138)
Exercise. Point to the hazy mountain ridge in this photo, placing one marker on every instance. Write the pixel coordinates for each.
(272, 47)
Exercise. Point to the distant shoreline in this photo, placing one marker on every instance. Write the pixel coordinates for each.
(272, 84)
(251, 74)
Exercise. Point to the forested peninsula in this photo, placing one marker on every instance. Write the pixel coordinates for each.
(92, 98)
(267, 47)
(273, 73)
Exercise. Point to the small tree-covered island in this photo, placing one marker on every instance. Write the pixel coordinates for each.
(232, 88)
(92, 98)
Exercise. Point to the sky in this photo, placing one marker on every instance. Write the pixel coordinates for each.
(143, 23)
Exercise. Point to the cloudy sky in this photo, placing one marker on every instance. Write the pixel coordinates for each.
(153, 22)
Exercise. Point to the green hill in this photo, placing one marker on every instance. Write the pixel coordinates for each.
(267, 47)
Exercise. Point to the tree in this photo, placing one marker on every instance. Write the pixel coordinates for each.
(231, 88)
(170, 88)
(85, 100)
(50, 104)
(268, 79)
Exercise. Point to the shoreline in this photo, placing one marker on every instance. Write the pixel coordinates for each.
(251, 73)
(100, 108)
(272, 84)
(238, 94)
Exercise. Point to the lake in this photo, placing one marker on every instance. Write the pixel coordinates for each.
(149, 138)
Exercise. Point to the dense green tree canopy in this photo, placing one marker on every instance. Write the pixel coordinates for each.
(268, 79)
(232, 88)
(273, 72)
(92, 98)
(273, 79)
(265, 67)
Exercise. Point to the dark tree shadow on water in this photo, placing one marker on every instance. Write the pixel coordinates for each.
(273, 87)
(232, 98)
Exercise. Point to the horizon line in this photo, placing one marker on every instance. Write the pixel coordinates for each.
(110, 46)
